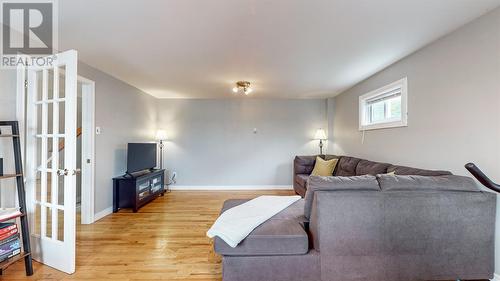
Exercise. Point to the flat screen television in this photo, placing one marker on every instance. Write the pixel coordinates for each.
(140, 157)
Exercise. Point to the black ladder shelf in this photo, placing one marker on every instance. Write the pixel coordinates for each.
(26, 253)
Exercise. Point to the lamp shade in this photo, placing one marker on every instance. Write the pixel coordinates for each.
(161, 135)
(320, 135)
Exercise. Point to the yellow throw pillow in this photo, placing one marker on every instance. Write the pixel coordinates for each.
(393, 173)
(324, 167)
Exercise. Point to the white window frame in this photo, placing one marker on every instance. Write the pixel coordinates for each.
(403, 84)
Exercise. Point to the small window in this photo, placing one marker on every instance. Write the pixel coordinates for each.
(385, 107)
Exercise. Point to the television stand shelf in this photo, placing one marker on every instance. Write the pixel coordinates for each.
(134, 192)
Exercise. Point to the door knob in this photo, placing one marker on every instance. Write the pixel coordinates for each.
(62, 172)
(77, 171)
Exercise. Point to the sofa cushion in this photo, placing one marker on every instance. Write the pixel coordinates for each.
(427, 183)
(274, 237)
(366, 167)
(303, 164)
(293, 212)
(301, 179)
(403, 170)
(315, 183)
(346, 167)
(324, 167)
(329, 156)
(283, 234)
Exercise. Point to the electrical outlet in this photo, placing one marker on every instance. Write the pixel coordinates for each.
(174, 177)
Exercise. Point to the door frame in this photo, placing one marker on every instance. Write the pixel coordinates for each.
(88, 150)
(88, 138)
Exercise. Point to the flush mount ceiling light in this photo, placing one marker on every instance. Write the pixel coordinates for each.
(242, 87)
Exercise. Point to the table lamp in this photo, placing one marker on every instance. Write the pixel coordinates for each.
(321, 136)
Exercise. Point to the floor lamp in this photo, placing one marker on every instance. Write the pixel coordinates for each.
(161, 136)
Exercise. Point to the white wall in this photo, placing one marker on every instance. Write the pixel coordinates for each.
(454, 107)
(331, 123)
(7, 94)
(7, 113)
(213, 143)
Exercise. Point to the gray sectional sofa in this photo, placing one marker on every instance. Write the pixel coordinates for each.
(351, 166)
(363, 224)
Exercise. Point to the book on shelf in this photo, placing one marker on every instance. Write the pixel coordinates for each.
(10, 248)
(9, 240)
(10, 255)
(7, 227)
(9, 213)
(8, 235)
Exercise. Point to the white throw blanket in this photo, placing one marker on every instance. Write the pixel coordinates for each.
(235, 224)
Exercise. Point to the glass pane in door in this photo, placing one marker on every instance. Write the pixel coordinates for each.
(50, 86)
(48, 225)
(62, 81)
(60, 225)
(37, 220)
(50, 118)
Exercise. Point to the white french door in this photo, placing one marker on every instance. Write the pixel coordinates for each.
(51, 123)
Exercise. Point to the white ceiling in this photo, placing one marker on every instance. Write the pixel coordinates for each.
(286, 48)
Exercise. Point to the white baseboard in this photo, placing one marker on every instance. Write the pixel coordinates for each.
(231, 187)
(496, 277)
(103, 213)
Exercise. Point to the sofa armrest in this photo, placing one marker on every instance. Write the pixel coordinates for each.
(303, 164)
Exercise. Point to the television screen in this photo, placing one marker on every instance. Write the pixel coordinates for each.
(141, 156)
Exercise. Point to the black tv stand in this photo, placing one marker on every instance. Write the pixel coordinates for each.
(139, 173)
(136, 190)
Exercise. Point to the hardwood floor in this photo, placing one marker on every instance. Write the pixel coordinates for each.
(165, 240)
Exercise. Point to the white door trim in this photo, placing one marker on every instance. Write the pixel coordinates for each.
(88, 150)
(21, 104)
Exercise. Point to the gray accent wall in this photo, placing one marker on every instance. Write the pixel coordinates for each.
(212, 141)
(453, 107)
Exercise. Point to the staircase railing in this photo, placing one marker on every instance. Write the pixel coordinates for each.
(481, 177)
(61, 146)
